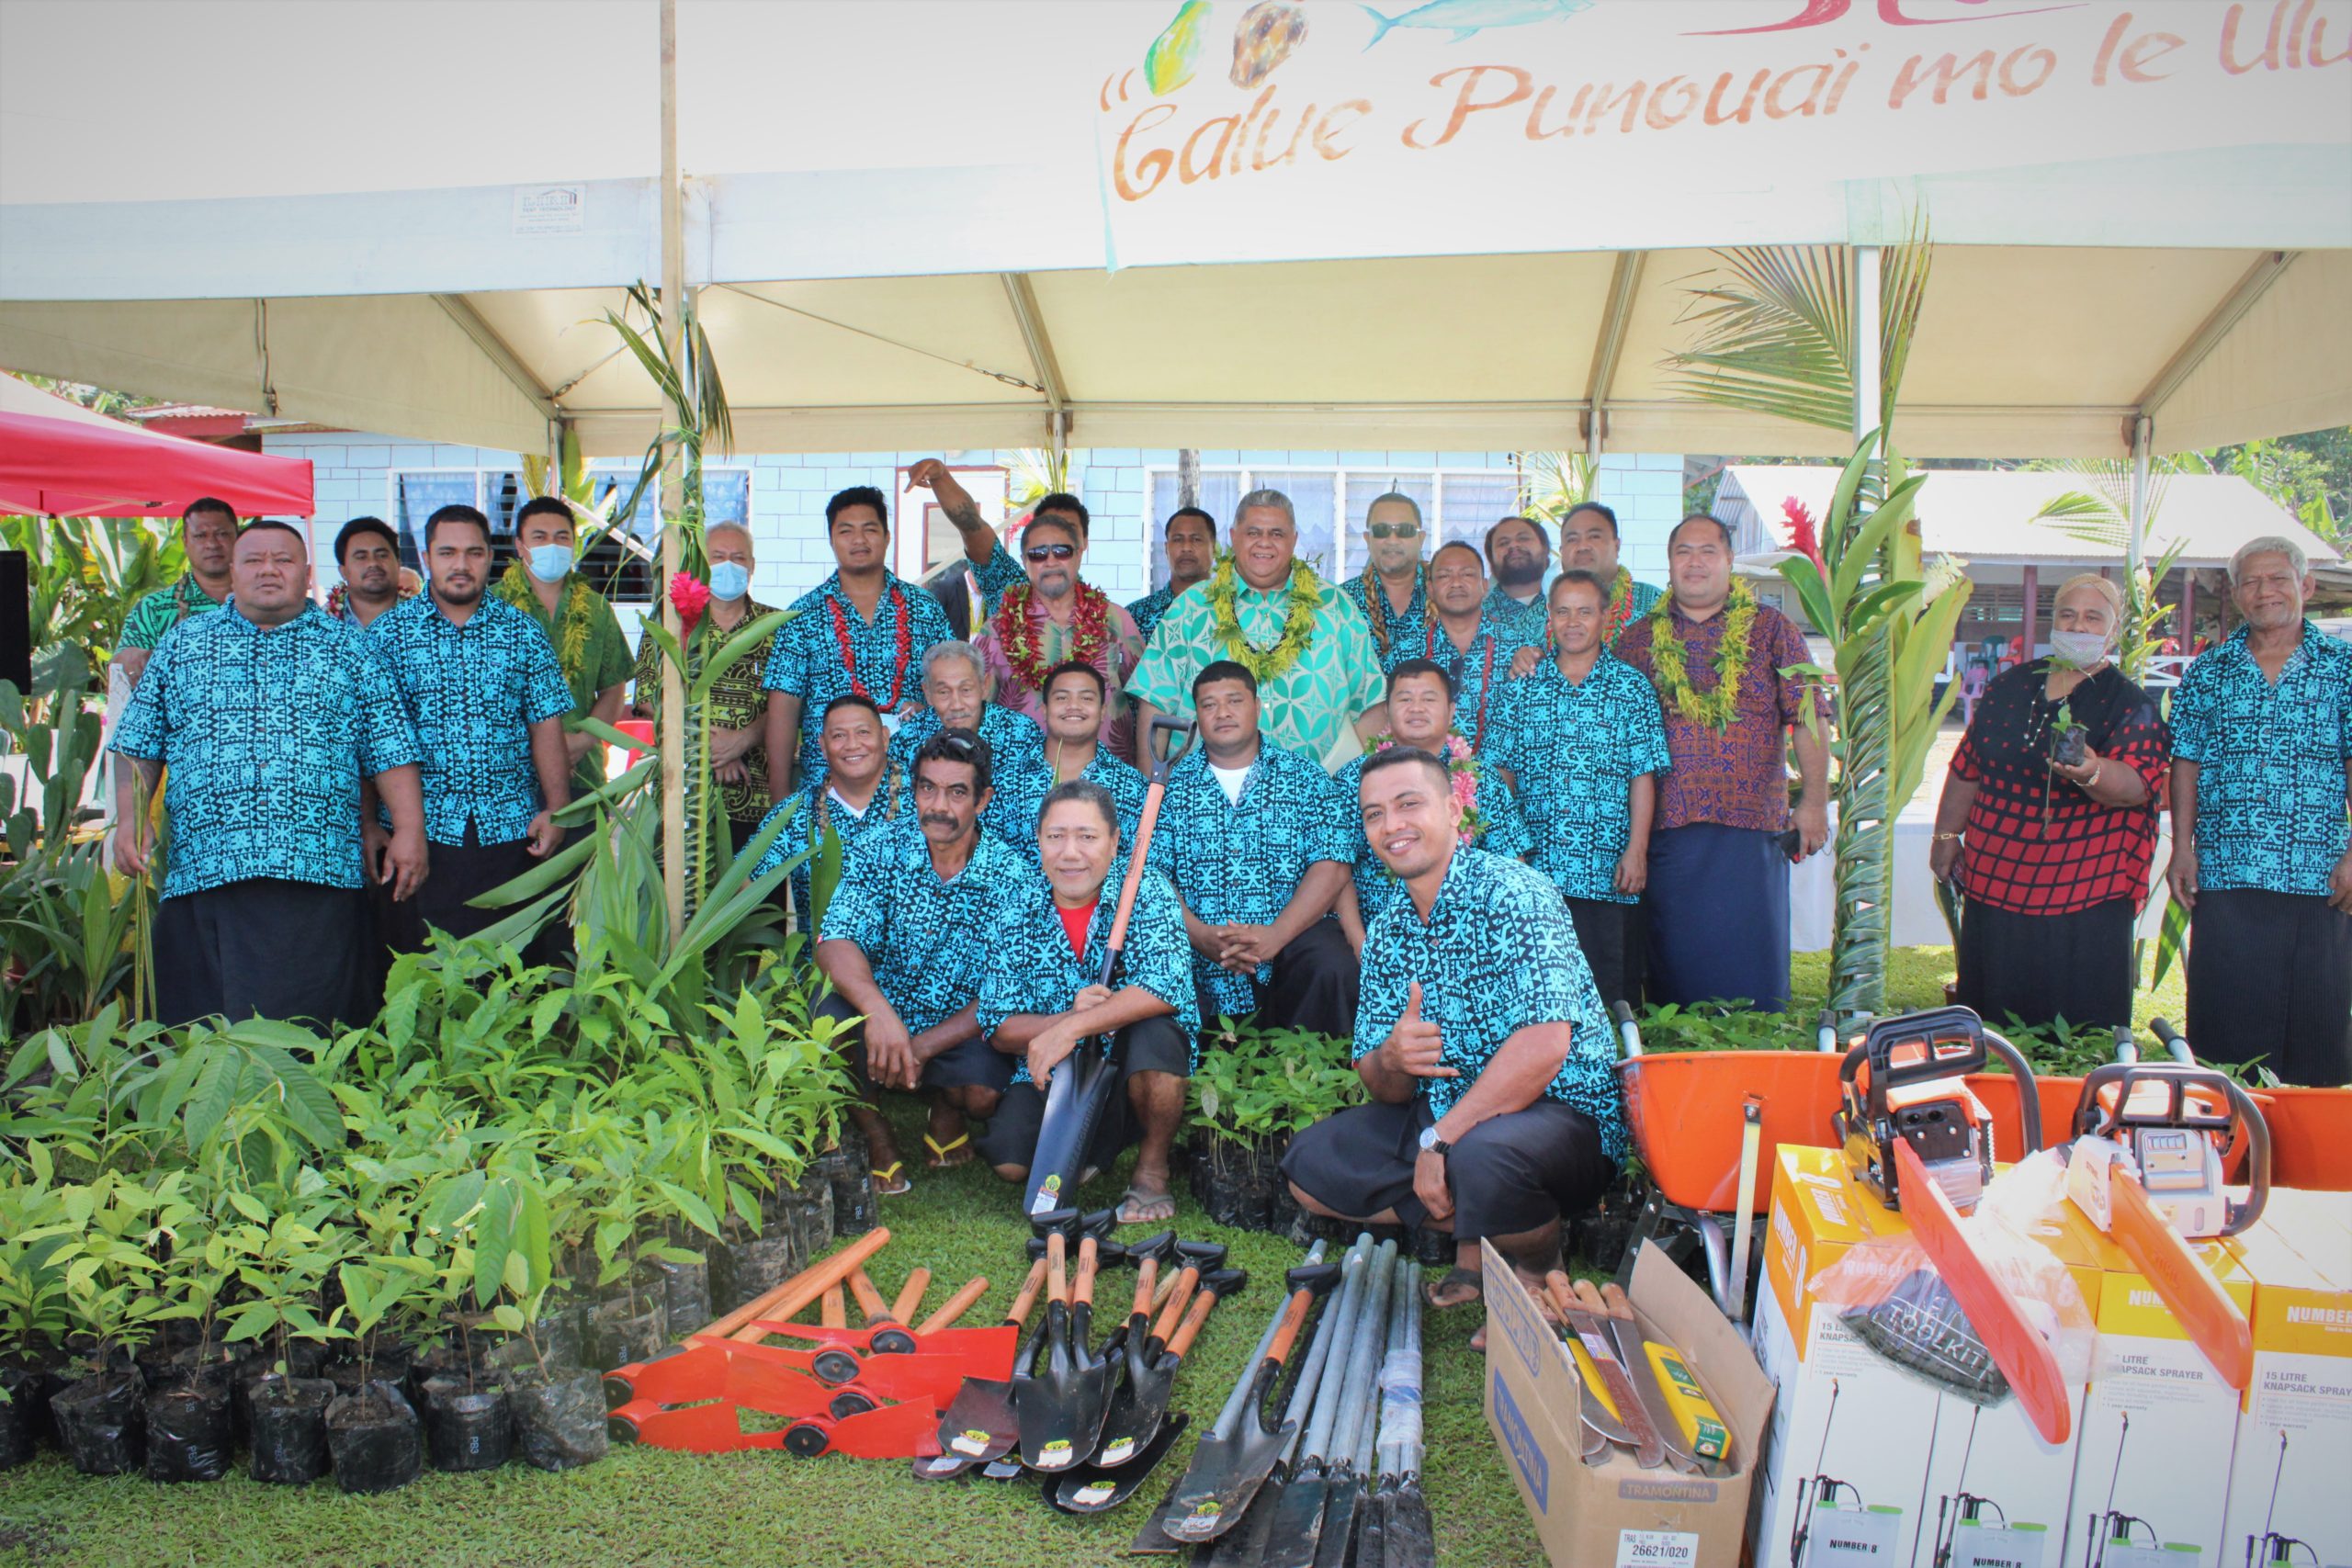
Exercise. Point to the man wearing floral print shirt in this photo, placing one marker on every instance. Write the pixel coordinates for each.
(864, 629)
(862, 790)
(903, 941)
(1075, 695)
(1483, 1042)
(954, 693)
(1421, 713)
(269, 716)
(1256, 839)
(2262, 857)
(1464, 636)
(1041, 995)
(1584, 739)
(489, 700)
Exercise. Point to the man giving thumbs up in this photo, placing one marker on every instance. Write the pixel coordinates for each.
(1482, 1040)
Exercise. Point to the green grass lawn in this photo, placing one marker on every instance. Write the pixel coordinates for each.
(775, 1511)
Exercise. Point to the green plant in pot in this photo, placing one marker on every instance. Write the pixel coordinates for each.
(33, 1318)
(1254, 1088)
(112, 1225)
(2069, 741)
(559, 1409)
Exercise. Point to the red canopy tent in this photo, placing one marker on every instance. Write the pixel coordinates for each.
(59, 457)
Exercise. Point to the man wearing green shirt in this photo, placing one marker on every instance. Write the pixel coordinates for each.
(1300, 638)
(577, 620)
(208, 535)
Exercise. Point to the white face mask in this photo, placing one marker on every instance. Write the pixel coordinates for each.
(2078, 651)
(550, 562)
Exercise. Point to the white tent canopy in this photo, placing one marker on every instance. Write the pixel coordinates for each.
(982, 225)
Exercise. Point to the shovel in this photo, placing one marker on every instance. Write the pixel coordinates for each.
(1061, 1412)
(1095, 1489)
(1345, 1515)
(1148, 1407)
(1329, 1451)
(1405, 1537)
(979, 1424)
(1245, 1543)
(1231, 1463)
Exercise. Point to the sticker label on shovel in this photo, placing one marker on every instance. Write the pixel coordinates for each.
(1201, 1521)
(1119, 1452)
(1055, 1455)
(1094, 1491)
(975, 1443)
(1657, 1549)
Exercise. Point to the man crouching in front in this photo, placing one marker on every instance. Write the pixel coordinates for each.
(1483, 1041)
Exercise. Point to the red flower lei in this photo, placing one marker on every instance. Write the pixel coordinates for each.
(1023, 640)
(904, 655)
(1486, 678)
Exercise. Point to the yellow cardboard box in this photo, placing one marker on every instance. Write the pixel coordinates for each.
(2291, 1478)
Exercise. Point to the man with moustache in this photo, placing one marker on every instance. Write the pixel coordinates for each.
(208, 537)
(1466, 637)
(1393, 591)
(368, 553)
(903, 943)
(1584, 742)
(1302, 640)
(1256, 840)
(1589, 542)
(578, 623)
(860, 792)
(1718, 882)
(864, 629)
(268, 716)
(737, 705)
(1420, 714)
(1075, 694)
(1517, 550)
(1041, 995)
(954, 695)
(1485, 1047)
(1055, 617)
(477, 679)
(1191, 548)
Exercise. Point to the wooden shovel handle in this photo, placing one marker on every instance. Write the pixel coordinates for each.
(1027, 1299)
(833, 1309)
(1056, 1262)
(869, 1300)
(1090, 1258)
(1190, 1328)
(1165, 1330)
(909, 1300)
(796, 1294)
(1147, 1276)
(1285, 1336)
(956, 1306)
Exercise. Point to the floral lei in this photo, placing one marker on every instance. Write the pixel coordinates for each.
(1298, 621)
(1375, 602)
(901, 656)
(1462, 777)
(1023, 639)
(1716, 708)
(573, 619)
(1621, 606)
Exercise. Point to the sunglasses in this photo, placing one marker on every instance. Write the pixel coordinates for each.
(1393, 530)
(1050, 552)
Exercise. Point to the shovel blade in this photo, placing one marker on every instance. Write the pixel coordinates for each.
(1297, 1521)
(1152, 1540)
(940, 1467)
(1245, 1543)
(1095, 1489)
(1225, 1474)
(1139, 1408)
(1061, 1417)
(979, 1425)
(1340, 1521)
(1409, 1540)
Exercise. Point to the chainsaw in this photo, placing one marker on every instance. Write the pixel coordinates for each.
(1904, 1084)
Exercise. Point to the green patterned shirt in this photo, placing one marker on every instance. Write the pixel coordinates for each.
(1309, 707)
(159, 612)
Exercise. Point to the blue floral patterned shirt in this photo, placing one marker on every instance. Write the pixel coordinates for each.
(1520, 626)
(1497, 954)
(1030, 967)
(2270, 784)
(266, 733)
(1500, 829)
(813, 808)
(1013, 738)
(473, 693)
(925, 940)
(1021, 795)
(1576, 750)
(1481, 675)
(1239, 864)
(1146, 612)
(806, 661)
(1389, 629)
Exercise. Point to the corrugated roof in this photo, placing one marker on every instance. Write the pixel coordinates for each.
(1989, 515)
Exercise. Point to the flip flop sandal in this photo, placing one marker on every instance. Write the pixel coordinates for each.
(939, 1151)
(1454, 1280)
(1137, 1196)
(890, 1182)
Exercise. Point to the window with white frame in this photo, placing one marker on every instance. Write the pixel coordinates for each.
(1456, 504)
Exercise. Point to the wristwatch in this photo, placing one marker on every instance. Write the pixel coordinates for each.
(1433, 1145)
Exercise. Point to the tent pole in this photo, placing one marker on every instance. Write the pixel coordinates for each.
(1868, 376)
(673, 295)
(2135, 539)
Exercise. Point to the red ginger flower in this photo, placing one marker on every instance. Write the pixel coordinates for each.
(691, 595)
(1803, 537)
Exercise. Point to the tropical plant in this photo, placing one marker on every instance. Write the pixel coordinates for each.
(283, 1263)
(1775, 336)
(86, 572)
(1035, 473)
(111, 1273)
(1552, 484)
(1254, 1082)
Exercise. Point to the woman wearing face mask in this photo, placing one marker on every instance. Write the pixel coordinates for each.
(2051, 853)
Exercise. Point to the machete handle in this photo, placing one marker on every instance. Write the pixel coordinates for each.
(833, 1310)
(1588, 1297)
(1613, 1301)
(869, 1300)
(910, 1301)
(1027, 1298)
(955, 1306)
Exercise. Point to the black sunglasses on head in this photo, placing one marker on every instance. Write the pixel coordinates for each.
(1050, 552)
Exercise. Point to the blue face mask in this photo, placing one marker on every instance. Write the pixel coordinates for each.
(550, 562)
(730, 579)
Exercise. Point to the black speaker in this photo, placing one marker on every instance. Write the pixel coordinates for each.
(16, 618)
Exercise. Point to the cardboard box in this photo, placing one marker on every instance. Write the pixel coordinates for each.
(2161, 1426)
(1869, 1462)
(2291, 1472)
(1615, 1514)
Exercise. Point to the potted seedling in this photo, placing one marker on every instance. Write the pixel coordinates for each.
(111, 1294)
(32, 1305)
(2069, 741)
(373, 1431)
(1253, 1089)
(559, 1408)
(282, 1272)
(190, 1426)
(467, 1421)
